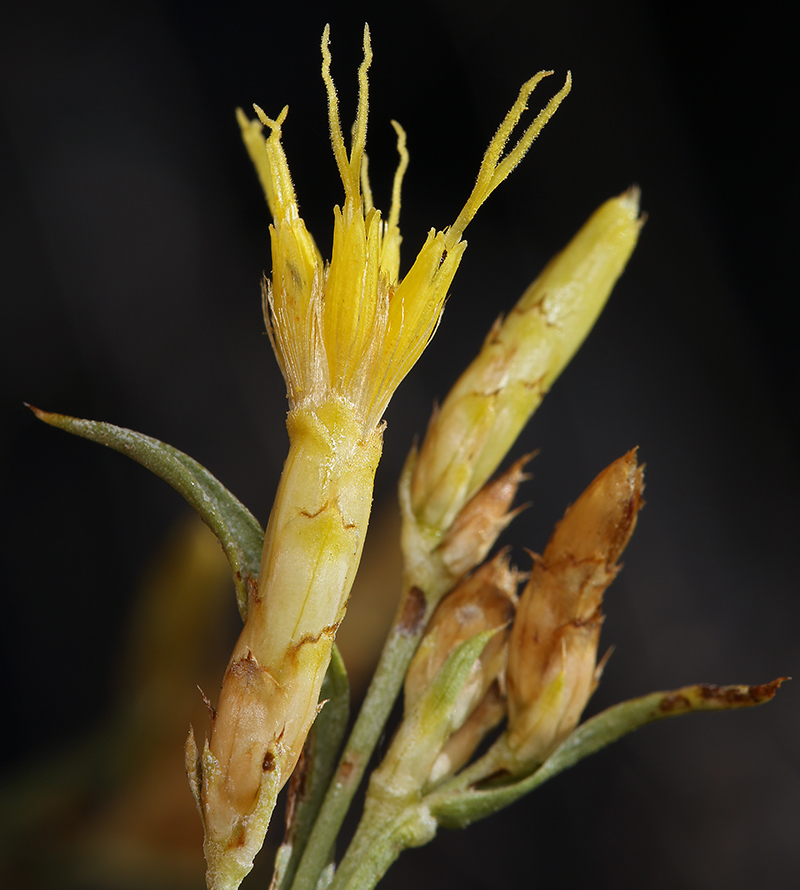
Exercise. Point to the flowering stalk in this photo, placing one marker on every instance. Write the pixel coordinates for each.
(480, 528)
(451, 518)
(344, 335)
(454, 692)
(552, 637)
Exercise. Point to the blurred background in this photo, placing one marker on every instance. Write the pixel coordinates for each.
(134, 235)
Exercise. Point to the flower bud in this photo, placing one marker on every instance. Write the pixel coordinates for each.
(553, 645)
(485, 601)
(523, 355)
(477, 526)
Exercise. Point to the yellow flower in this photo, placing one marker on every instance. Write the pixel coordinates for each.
(353, 329)
(345, 334)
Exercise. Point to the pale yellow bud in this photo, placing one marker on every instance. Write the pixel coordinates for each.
(553, 646)
(523, 355)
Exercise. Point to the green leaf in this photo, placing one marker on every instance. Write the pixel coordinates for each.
(459, 808)
(313, 774)
(237, 530)
(242, 539)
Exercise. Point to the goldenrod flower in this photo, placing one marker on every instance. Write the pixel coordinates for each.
(345, 334)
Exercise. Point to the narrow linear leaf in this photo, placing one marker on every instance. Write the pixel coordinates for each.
(459, 809)
(310, 780)
(237, 530)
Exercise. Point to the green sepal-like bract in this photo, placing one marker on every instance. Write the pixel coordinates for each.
(237, 530)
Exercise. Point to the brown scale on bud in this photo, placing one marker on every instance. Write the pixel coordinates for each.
(486, 600)
(479, 523)
(552, 655)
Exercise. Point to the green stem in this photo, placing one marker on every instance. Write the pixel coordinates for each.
(373, 849)
(383, 690)
(322, 746)
(495, 760)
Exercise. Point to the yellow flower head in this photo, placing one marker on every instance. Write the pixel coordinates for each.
(353, 329)
(345, 334)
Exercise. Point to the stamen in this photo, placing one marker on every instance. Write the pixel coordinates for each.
(394, 212)
(493, 170)
(390, 248)
(366, 189)
(274, 125)
(253, 135)
(360, 126)
(337, 140)
(349, 169)
(520, 149)
(284, 200)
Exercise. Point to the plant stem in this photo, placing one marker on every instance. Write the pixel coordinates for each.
(383, 690)
(367, 860)
(386, 829)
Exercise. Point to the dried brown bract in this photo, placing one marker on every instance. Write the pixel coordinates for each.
(553, 646)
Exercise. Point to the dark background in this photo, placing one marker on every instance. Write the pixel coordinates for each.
(133, 238)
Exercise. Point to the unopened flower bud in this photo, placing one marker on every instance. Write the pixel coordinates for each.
(477, 526)
(523, 355)
(553, 645)
(485, 601)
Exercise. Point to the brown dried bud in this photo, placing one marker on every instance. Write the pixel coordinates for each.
(486, 600)
(477, 526)
(553, 645)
